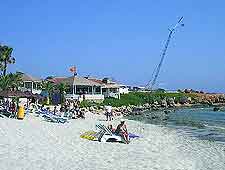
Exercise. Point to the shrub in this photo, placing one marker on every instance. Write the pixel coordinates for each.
(86, 103)
(140, 98)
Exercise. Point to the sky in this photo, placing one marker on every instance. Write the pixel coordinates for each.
(122, 39)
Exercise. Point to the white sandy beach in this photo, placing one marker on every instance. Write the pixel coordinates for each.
(34, 144)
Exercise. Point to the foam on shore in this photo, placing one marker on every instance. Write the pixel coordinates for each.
(36, 144)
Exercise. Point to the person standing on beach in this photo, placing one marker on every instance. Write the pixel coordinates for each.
(108, 113)
(13, 108)
(55, 110)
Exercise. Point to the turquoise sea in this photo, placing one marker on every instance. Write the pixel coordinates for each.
(199, 123)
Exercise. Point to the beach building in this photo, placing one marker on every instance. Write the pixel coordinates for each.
(138, 88)
(123, 89)
(31, 84)
(86, 88)
(80, 88)
(111, 88)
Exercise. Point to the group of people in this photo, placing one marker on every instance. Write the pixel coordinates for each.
(9, 106)
(71, 107)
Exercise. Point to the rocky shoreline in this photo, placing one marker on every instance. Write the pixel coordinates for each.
(160, 109)
(156, 109)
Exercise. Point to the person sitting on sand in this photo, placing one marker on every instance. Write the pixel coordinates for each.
(121, 130)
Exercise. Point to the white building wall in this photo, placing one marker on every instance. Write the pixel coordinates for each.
(85, 96)
(124, 90)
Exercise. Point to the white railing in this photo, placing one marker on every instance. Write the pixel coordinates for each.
(34, 91)
(94, 97)
(71, 96)
(85, 96)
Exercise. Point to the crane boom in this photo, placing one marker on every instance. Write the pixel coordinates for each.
(152, 82)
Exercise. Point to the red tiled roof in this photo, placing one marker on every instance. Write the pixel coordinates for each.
(57, 80)
(96, 80)
(108, 85)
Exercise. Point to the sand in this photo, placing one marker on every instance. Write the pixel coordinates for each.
(34, 144)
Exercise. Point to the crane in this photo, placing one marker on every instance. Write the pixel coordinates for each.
(155, 74)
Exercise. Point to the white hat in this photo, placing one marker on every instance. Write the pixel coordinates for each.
(122, 120)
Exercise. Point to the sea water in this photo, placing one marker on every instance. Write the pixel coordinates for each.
(200, 123)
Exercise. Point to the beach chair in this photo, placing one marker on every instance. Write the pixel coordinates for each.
(8, 114)
(2, 116)
(51, 117)
(68, 115)
(105, 135)
(54, 119)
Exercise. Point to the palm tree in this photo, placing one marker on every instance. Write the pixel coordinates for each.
(62, 87)
(11, 81)
(49, 88)
(6, 58)
(16, 80)
(5, 83)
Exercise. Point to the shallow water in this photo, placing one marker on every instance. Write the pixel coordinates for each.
(203, 124)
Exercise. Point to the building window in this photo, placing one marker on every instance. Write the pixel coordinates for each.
(98, 90)
(38, 86)
(28, 85)
(113, 90)
(34, 86)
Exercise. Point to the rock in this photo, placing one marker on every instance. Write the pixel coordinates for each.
(156, 103)
(183, 100)
(92, 109)
(147, 105)
(164, 103)
(167, 111)
(215, 109)
(171, 102)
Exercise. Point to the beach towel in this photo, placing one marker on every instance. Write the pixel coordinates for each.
(90, 135)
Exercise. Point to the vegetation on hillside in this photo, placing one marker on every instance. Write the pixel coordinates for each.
(140, 98)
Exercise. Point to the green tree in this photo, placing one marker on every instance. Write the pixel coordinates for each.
(11, 81)
(62, 87)
(49, 88)
(5, 83)
(6, 58)
(15, 80)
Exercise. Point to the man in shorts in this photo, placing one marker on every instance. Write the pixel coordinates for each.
(108, 113)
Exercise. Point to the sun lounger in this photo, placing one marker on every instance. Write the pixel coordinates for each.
(51, 117)
(8, 114)
(1, 116)
(54, 119)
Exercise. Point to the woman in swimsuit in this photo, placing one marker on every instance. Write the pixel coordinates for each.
(121, 130)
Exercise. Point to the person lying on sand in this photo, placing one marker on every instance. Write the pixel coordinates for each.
(121, 130)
